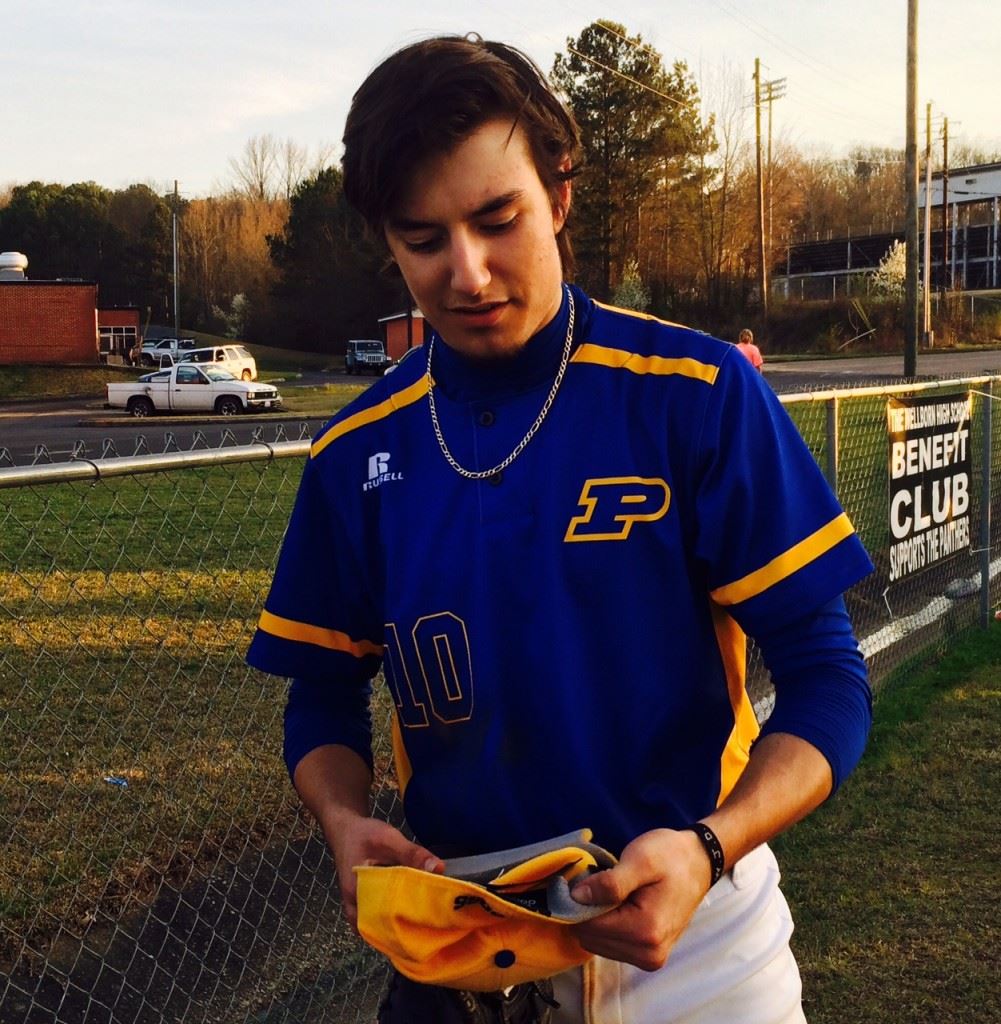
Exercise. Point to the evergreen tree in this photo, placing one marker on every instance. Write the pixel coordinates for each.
(330, 288)
(120, 239)
(640, 131)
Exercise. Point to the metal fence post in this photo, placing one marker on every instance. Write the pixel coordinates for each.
(833, 443)
(985, 508)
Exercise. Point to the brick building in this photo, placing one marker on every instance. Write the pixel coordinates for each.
(117, 332)
(59, 321)
(48, 322)
(403, 331)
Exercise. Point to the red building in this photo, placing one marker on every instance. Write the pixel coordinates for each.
(48, 322)
(58, 321)
(117, 333)
(403, 331)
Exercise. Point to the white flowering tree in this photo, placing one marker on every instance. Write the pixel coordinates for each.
(888, 280)
(234, 319)
(631, 292)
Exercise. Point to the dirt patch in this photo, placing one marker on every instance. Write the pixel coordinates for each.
(262, 939)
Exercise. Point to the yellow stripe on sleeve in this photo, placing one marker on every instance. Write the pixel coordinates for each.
(786, 564)
(401, 400)
(619, 359)
(638, 315)
(289, 629)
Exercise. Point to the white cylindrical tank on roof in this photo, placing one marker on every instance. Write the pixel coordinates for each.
(12, 266)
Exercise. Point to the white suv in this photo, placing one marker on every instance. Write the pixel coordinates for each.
(234, 358)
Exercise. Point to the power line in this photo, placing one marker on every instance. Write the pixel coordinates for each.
(807, 100)
(631, 42)
(790, 49)
(628, 78)
(818, 104)
(768, 36)
(574, 7)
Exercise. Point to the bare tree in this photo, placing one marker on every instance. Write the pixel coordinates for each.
(972, 154)
(270, 169)
(224, 251)
(858, 194)
(257, 168)
(323, 158)
(293, 165)
(724, 224)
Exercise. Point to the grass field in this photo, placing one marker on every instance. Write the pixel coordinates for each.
(29, 382)
(25, 383)
(893, 883)
(35, 381)
(125, 611)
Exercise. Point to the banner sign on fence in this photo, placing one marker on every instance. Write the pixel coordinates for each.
(929, 480)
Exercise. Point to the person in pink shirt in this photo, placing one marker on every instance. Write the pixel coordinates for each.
(745, 342)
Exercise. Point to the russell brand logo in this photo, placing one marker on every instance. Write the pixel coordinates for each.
(614, 504)
(378, 471)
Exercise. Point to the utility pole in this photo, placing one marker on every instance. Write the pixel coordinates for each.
(177, 312)
(946, 281)
(774, 90)
(762, 266)
(929, 334)
(911, 186)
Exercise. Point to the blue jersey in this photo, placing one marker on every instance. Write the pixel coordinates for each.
(564, 642)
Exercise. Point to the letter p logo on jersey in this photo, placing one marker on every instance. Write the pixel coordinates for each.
(613, 504)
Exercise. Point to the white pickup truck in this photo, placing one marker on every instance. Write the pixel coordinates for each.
(190, 388)
(152, 350)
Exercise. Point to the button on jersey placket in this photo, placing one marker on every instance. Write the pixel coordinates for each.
(486, 418)
(507, 499)
(536, 424)
(483, 440)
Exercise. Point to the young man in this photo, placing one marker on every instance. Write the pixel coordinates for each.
(552, 533)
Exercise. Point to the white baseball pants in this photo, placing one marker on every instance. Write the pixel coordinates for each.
(732, 965)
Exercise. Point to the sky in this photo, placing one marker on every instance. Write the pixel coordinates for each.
(125, 91)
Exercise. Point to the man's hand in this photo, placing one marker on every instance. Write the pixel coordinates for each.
(663, 875)
(360, 840)
(657, 885)
(334, 783)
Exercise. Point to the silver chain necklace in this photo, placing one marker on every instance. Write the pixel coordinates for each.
(520, 447)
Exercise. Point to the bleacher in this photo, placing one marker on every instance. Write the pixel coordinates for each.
(974, 258)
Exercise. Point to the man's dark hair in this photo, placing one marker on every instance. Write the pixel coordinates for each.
(428, 97)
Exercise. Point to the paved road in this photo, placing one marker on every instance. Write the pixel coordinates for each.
(57, 431)
(53, 431)
(821, 374)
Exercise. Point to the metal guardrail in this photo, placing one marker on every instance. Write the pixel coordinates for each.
(132, 465)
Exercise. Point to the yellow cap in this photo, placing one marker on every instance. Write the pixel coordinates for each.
(482, 935)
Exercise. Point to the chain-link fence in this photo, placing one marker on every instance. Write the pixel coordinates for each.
(154, 863)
